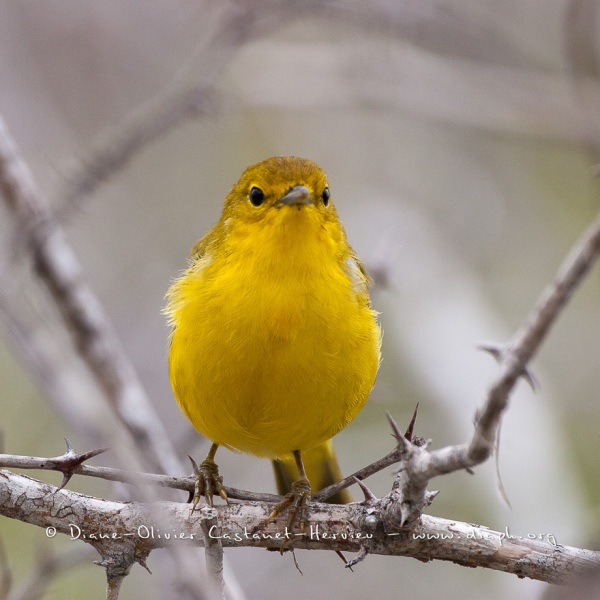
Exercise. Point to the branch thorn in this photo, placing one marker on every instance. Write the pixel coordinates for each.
(405, 513)
(69, 462)
(369, 495)
(195, 474)
(499, 352)
(409, 430)
(341, 555)
(362, 554)
(403, 443)
(142, 561)
(430, 496)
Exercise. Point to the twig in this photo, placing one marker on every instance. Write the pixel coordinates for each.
(420, 465)
(137, 529)
(185, 484)
(389, 459)
(72, 464)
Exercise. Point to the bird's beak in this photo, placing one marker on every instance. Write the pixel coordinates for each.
(297, 196)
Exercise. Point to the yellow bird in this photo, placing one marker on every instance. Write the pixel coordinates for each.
(275, 347)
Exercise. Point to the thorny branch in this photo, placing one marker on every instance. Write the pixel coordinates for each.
(418, 465)
(118, 529)
(70, 464)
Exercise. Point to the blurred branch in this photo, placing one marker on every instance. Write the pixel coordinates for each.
(213, 546)
(450, 29)
(583, 60)
(113, 151)
(432, 24)
(513, 100)
(5, 573)
(235, 24)
(581, 37)
(124, 533)
(84, 317)
(48, 566)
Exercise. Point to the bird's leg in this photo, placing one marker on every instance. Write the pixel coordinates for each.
(208, 480)
(297, 499)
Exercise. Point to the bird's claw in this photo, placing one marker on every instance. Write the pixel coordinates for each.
(208, 483)
(297, 502)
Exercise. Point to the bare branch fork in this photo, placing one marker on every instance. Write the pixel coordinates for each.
(418, 465)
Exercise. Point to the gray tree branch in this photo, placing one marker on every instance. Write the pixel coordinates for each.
(125, 533)
(418, 465)
(83, 314)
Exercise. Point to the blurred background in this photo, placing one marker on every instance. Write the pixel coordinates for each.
(461, 142)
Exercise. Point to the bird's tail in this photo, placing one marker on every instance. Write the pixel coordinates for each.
(322, 469)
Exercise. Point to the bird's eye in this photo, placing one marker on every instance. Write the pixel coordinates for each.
(325, 196)
(257, 196)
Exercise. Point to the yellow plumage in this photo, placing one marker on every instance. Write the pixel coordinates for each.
(275, 347)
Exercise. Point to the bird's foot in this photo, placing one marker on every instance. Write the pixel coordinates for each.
(208, 482)
(297, 502)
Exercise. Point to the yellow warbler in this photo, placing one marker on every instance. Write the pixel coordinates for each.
(275, 346)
